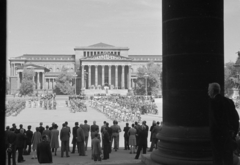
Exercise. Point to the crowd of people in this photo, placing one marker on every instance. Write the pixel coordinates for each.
(127, 108)
(76, 104)
(14, 107)
(45, 141)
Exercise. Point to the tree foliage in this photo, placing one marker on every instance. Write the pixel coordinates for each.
(231, 78)
(153, 80)
(63, 82)
(27, 85)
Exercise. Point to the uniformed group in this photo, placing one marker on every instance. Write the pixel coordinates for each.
(123, 108)
(48, 102)
(76, 104)
(14, 107)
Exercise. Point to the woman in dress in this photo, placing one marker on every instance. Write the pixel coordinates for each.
(35, 140)
(54, 139)
(132, 139)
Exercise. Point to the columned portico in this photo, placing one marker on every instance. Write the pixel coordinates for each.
(110, 70)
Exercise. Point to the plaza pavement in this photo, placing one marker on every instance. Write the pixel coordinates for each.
(33, 116)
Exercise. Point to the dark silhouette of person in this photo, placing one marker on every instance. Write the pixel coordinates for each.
(12, 140)
(74, 139)
(44, 154)
(126, 137)
(142, 141)
(223, 122)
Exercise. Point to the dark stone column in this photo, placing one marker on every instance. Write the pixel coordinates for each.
(193, 57)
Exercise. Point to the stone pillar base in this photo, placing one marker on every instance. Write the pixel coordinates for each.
(146, 159)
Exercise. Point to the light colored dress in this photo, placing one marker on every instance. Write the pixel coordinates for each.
(54, 143)
(35, 140)
(132, 138)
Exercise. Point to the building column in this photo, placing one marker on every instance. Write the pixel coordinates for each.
(38, 82)
(109, 75)
(123, 74)
(11, 69)
(185, 134)
(83, 76)
(116, 76)
(54, 82)
(43, 80)
(129, 77)
(96, 75)
(103, 75)
(89, 77)
(47, 80)
(18, 81)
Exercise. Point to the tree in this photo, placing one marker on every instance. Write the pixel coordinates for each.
(231, 78)
(27, 85)
(153, 80)
(63, 82)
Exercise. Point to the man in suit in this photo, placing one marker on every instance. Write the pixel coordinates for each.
(44, 154)
(41, 128)
(69, 129)
(109, 130)
(142, 138)
(115, 134)
(86, 129)
(29, 135)
(223, 122)
(47, 132)
(64, 137)
(94, 130)
(12, 140)
(153, 137)
(147, 128)
(126, 136)
(74, 140)
(80, 141)
(21, 137)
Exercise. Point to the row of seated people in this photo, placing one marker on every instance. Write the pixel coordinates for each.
(104, 87)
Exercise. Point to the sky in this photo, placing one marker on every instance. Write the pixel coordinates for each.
(58, 26)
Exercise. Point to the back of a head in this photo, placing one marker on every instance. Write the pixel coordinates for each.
(22, 131)
(215, 88)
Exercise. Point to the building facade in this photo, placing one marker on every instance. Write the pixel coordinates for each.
(93, 67)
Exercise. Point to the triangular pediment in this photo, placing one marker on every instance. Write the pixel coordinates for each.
(32, 66)
(106, 56)
(100, 45)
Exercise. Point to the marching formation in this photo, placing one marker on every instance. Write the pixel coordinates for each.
(124, 108)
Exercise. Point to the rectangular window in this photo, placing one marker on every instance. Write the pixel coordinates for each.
(84, 53)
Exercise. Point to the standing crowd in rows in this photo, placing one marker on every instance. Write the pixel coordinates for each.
(44, 142)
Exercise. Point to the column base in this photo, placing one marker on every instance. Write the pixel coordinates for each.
(183, 146)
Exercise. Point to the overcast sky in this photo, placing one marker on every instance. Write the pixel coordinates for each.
(57, 26)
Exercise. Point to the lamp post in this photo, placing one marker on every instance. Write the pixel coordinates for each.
(146, 76)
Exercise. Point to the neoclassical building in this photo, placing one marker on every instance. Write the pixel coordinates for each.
(92, 67)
